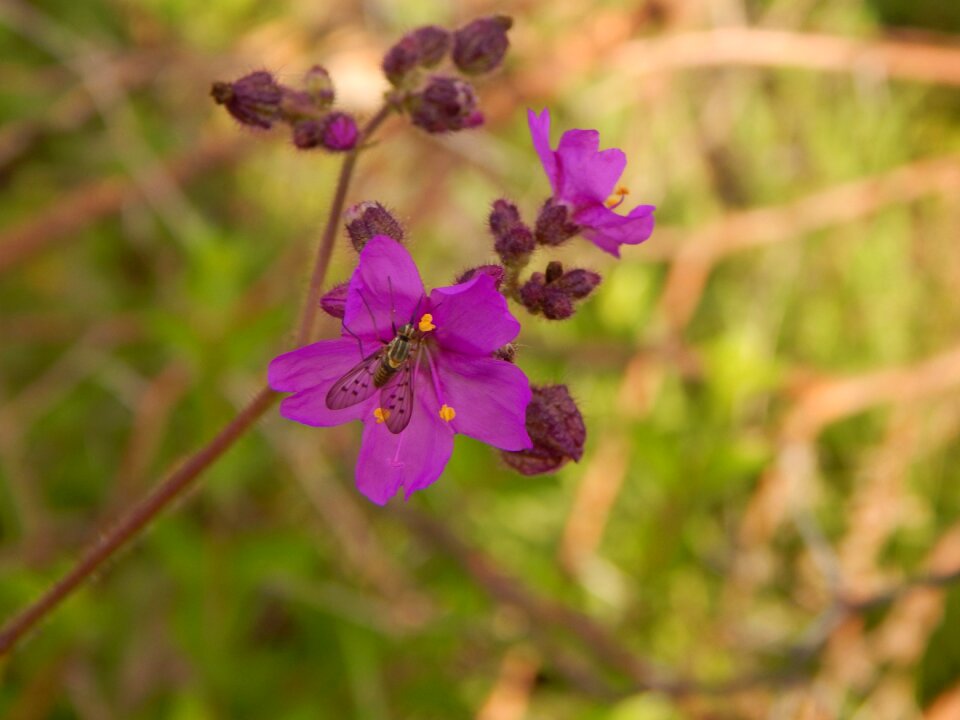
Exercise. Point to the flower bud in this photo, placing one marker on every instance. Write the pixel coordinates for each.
(334, 302)
(513, 240)
(553, 224)
(479, 47)
(503, 216)
(369, 219)
(308, 134)
(433, 43)
(339, 132)
(319, 87)
(532, 292)
(555, 305)
(556, 428)
(445, 105)
(253, 99)
(494, 271)
(553, 272)
(552, 292)
(578, 283)
(403, 57)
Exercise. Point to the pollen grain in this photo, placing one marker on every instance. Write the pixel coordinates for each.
(381, 415)
(426, 323)
(617, 197)
(447, 413)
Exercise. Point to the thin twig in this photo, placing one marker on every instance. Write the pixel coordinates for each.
(135, 521)
(132, 524)
(312, 302)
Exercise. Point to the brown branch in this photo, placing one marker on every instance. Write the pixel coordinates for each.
(134, 522)
(702, 247)
(754, 47)
(142, 514)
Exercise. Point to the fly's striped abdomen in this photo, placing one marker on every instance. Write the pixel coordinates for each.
(396, 354)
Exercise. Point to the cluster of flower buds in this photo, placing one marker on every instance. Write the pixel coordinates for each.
(554, 291)
(512, 239)
(556, 428)
(258, 100)
(440, 103)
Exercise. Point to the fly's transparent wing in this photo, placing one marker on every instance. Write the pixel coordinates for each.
(396, 398)
(356, 385)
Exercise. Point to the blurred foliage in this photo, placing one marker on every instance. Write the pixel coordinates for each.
(275, 590)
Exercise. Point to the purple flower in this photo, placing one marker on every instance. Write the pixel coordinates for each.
(584, 181)
(445, 380)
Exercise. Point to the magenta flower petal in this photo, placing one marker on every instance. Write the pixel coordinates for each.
(313, 365)
(472, 317)
(587, 175)
(490, 398)
(584, 178)
(411, 460)
(456, 386)
(385, 290)
(608, 230)
(309, 372)
(540, 133)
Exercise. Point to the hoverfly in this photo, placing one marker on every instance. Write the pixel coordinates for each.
(391, 370)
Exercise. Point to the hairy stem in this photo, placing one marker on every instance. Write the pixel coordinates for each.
(133, 523)
(308, 315)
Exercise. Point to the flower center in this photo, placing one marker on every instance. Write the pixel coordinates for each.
(618, 195)
(381, 415)
(426, 323)
(447, 413)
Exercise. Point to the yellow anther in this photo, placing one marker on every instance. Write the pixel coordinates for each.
(447, 413)
(426, 323)
(618, 195)
(381, 415)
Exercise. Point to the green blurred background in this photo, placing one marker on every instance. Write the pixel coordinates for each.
(770, 383)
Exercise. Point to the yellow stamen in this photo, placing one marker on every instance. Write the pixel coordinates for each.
(447, 413)
(618, 195)
(426, 323)
(381, 415)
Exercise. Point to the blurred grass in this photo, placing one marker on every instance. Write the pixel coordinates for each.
(276, 591)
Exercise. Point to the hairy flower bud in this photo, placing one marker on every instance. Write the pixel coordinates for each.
(513, 240)
(424, 47)
(494, 271)
(369, 219)
(556, 428)
(577, 283)
(433, 43)
(532, 291)
(307, 134)
(479, 47)
(254, 99)
(445, 105)
(553, 224)
(319, 87)
(334, 301)
(553, 292)
(556, 305)
(400, 59)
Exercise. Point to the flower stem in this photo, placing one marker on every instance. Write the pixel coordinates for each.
(308, 314)
(134, 521)
(142, 514)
